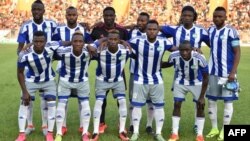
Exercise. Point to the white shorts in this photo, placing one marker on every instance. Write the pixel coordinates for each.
(131, 87)
(48, 88)
(180, 92)
(218, 92)
(142, 92)
(118, 89)
(64, 89)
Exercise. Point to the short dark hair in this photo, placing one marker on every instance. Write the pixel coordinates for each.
(185, 42)
(38, 2)
(39, 33)
(191, 9)
(70, 8)
(145, 14)
(109, 8)
(220, 8)
(153, 22)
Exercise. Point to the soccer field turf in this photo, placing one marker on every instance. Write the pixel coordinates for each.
(10, 98)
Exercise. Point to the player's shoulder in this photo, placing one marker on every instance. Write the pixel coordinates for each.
(174, 54)
(63, 25)
(230, 27)
(137, 38)
(52, 43)
(25, 23)
(198, 55)
(50, 21)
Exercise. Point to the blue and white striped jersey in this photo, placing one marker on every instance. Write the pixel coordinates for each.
(64, 33)
(189, 72)
(38, 66)
(28, 28)
(196, 35)
(148, 59)
(132, 34)
(110, 65)
(74, 68)
(222, 42)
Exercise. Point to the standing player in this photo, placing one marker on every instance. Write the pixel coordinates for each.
(39, 76)
(140, 30)
(100, 31)
(73, 75)
(188, 30)
(109, 76)
(64, 33)
(26, 36)
(223, 64)
(147, 76)
(191, 71)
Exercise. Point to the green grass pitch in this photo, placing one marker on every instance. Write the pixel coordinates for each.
(10, 99)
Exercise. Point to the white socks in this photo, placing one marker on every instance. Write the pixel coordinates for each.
(51, 115)
(60, 115)
(175, 124)
(159, 119)
(30, 113)
(22, 116)
(85, 116)
(136, 115)
(97, 114)
(200, 125)
(212, 112)
(228, 112)
(150, 114)
(122, 113)
(44, 111)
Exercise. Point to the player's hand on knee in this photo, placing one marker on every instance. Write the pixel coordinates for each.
(201, 103)
(26, 98)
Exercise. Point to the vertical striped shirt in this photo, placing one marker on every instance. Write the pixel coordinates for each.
(64, 33)
(74, 68)
(132, 34)
(196, 35)
(188, 72)
(110, 65)
(28, 28)
(222, 42)
(148, 59)
(39, 65)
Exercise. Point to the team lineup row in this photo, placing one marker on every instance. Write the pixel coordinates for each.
(145, 47)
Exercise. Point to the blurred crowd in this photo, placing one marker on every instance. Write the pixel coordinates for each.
(90, 11)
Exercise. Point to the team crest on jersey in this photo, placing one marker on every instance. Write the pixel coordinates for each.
(160, 48)
(194, 67)
(222, 37)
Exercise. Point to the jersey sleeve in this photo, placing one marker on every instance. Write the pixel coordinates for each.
(56, 35)
(234, 37)
(87, 38)
(168, 31)
(21, 63)
(23, 34)
(167, 44)
(203, 65)
(205, 37)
